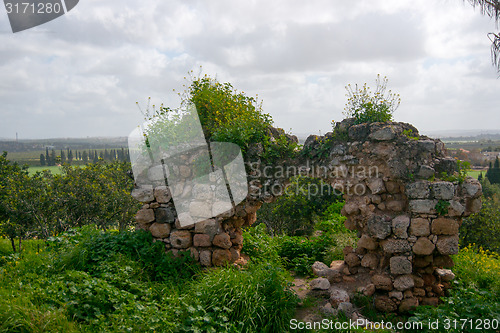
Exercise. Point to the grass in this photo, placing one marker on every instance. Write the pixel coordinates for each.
(474, 173)
(55, 170)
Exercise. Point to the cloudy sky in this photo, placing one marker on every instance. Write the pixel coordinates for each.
(82, 74)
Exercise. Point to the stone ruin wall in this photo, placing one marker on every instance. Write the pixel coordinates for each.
(389, 175)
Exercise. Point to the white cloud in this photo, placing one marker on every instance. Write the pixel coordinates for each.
(81, 74)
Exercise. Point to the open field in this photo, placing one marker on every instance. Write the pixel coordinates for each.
(55, 170)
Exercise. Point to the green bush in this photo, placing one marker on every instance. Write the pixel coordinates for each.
(257, 299)
(367, 107)
(483, 228)
(295, 212)
(94, 247)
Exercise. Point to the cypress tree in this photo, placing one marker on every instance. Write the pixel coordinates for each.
(47, 157)
(85, 157)
(63, 157)
(52, 157)
(495, 172)
(42, 159)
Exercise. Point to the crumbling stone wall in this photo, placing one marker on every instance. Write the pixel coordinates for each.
(401, 195)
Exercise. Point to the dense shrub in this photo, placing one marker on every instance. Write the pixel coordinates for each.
(367, 107)
(295, 212)
(483, 228)
(44, 204)
(94, 247)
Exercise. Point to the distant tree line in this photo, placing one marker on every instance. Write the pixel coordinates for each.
(85, 156)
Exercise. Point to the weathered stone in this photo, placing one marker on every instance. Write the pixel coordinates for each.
(376, 185)
(379, 226)
(367, 242)
(222, 208)
(200, 208)
(221, 257)
(237, 240)
(180, 239)
(320, 284)
(472, 187)
(427, 145)
(396, 294)
(164, 215)
(369, 290)
(194, 253)
(400, 226)
(162, 194)
(145, 216)
(396, 205)
(158, 173)
(444, 226)
(350, 208)
(445, 274)
(202, 240)
(206, 258)
(160, 230)
(419, 292)
(473, 206)
(400, 265)
(395, 246)
(210, 227)
(328, 310)
(432, 301)
(455, 208)
(385, 304)
(418, 190)
(447, 244)
(338, 296)
(144, 193)
(319, 268)
(419, 282)
(382, 282)
(443, 261)
(384, 134)
(425, 172)
(352, 260)
(443, 190)
(423, 246)
(404, 282)
(346, 308)
(419, 227)
(222, 240)
(423, 206)
(408, 304)
(392, 187)
(187, 220)
(370, 260)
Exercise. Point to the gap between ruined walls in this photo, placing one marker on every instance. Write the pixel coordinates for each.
(407, 217)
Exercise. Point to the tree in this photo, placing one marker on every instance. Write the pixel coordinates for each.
(491, 8)
(70, 156)
(63, 157)
(42, 159)
(85, 157)
(53, 158)
(47, 156)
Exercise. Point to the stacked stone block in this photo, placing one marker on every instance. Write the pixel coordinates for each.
(398, 196)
